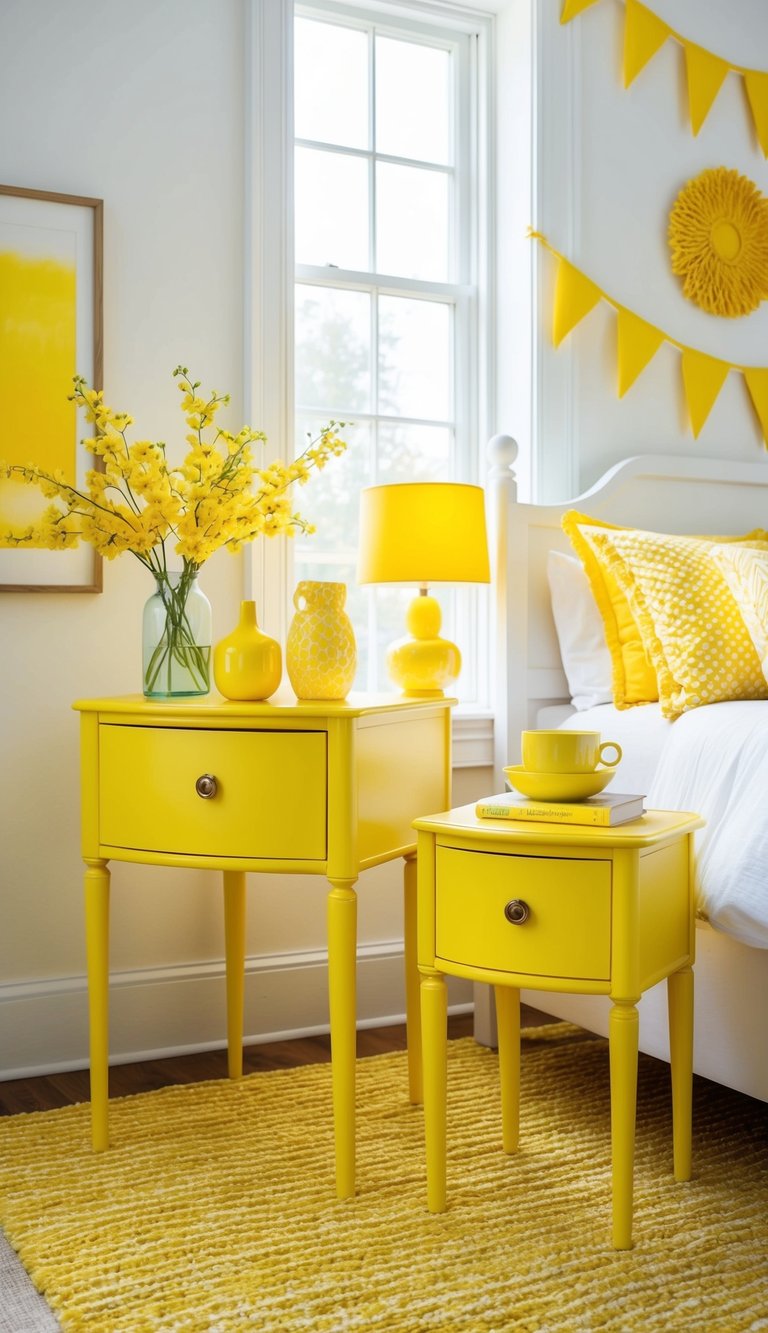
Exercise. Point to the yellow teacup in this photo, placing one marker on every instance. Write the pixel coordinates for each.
(566, 751)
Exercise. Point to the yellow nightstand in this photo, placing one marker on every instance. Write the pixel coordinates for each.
(554, 907)
(313, 788)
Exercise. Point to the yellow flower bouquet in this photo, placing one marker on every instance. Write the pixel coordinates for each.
(136, 501)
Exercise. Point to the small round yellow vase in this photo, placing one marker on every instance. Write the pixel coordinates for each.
(247, 664)
(320, 652)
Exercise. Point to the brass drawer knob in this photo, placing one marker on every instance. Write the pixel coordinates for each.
(206, 786)
(516, 911)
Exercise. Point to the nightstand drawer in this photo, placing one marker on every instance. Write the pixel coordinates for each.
(567, 932)
(269, 801)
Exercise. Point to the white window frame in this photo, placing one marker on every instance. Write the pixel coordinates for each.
(270, 275)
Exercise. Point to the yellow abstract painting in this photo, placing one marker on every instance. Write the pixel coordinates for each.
(37, 362)
(51, 248)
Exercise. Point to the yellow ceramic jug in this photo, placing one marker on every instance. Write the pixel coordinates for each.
(320, 653)
(247, 664)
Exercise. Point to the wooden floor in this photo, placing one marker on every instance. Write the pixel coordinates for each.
(52, 1090)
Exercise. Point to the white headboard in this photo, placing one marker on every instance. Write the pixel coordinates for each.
(665, 494)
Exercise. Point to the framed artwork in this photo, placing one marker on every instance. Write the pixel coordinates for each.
(50, 330)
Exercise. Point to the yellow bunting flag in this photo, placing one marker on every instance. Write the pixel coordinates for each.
(757, 93)
(706, 74)
(575, 296)
(638, 342)
(573, 7)
(644, 33)
(703, 378)
(757, 384)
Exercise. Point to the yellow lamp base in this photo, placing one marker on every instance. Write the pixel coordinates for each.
(423, 663)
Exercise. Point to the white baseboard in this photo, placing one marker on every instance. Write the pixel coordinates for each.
(157, 1012)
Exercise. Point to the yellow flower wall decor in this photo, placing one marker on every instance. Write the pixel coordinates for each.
(718, 236)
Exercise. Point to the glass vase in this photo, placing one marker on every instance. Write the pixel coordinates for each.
(176, 639)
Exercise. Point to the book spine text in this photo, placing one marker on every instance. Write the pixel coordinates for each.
(549, 814)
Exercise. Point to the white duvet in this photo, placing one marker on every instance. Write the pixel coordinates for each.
(714, 761)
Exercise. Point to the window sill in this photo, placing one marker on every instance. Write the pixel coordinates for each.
(472, 739)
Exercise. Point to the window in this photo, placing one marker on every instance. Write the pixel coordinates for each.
(388, 296)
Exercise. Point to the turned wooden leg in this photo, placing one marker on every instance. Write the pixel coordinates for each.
(680, 1005)
(434, 1037)
(623, 1034)
(508, 1022)
(412, 999)
(234, 952)
(97, 879)
(342, 958)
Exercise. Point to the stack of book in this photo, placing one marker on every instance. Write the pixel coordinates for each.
(607, 810)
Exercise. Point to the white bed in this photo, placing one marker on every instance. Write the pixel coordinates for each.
(713, 759)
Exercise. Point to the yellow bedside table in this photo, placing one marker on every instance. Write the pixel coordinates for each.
(555, 907)
(282, 787)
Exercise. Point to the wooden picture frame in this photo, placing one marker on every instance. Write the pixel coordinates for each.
(51, 282)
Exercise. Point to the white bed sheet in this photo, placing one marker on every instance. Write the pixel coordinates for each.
(713, 761)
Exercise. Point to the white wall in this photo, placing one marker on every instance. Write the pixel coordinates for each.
(611, 163)
(142, 105)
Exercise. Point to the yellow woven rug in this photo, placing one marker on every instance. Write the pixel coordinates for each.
(215, 1209)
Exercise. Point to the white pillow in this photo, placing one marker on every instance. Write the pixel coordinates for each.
(580, 633)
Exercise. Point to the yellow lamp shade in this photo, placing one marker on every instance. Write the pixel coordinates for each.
(423, 532)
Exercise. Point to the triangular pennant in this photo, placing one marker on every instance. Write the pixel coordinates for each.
(705, 79)
(575, 296)
(703, 377)
(757, 384)
(757, 92)
(644, 33)
(638, 342)
(571, 8)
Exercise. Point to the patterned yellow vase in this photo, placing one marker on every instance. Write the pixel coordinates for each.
(247, 664)
(320, 654)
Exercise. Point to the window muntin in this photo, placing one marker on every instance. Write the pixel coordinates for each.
(386, 306)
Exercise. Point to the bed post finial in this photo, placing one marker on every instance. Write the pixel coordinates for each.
(502, 452)
(509, 608)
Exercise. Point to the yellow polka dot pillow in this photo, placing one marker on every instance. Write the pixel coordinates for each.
(691, 627)
(745, 570)
(633, 676)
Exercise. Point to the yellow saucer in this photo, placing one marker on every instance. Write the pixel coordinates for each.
(557, 786)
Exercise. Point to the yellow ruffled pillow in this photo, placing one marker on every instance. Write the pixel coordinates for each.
(745, 570)
(633, 676)
(688, 619)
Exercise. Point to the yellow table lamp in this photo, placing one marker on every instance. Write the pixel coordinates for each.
(424, 533)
